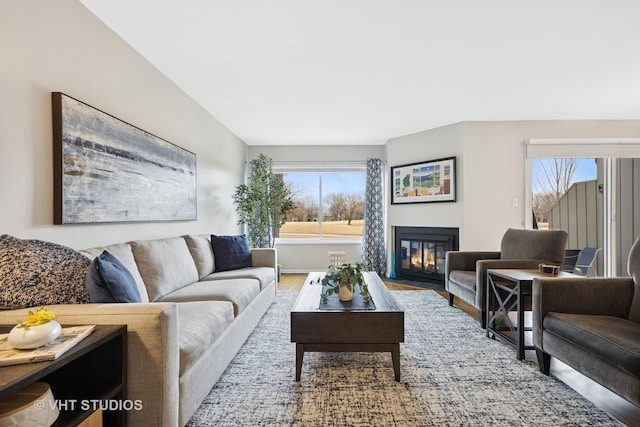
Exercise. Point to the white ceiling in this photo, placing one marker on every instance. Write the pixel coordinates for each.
(362, 71)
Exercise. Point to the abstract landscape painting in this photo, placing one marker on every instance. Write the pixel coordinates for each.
(106, 170)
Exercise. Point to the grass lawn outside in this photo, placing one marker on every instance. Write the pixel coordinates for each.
(330, 229)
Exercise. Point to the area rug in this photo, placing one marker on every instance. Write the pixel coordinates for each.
(451, 375)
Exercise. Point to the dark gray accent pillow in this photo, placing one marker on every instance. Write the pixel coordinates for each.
(34, 273)
(231, 252)
(108, 280)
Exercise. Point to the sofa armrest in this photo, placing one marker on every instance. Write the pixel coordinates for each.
(152, 351)
(606, 296)
(264, 257)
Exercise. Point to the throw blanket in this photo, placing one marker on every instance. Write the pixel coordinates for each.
(34, 273)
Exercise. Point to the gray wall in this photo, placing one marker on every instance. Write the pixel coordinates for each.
(60, 46)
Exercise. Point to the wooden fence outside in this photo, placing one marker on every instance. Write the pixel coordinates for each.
(580, 212)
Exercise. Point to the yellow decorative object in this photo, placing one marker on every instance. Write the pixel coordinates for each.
(40, 317)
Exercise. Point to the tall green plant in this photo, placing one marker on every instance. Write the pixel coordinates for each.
(263, 202)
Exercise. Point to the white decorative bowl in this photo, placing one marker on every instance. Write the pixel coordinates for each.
(34, 336)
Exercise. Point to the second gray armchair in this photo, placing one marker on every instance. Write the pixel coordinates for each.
(466, 271)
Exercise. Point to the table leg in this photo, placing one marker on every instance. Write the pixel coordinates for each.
(488, 305)
(299, 357)
(395, 358)
(520, 309)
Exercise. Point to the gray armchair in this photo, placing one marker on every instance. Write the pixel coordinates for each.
(593, 325)
(466, 271)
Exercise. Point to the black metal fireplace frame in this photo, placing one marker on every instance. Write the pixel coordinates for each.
(450, 235)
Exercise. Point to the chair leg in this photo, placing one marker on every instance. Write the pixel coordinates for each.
(450, 299)
(544, 361)
(482, 315)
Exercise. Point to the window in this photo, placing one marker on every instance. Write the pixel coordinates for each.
(617, 217)
(329, 203)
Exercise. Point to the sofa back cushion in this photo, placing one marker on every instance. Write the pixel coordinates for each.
(548, 245)
(633, 268)
(123, 252)
(165, 265)
(35, 273)
(202, 253)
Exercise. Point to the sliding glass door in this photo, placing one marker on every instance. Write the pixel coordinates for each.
(598, 210)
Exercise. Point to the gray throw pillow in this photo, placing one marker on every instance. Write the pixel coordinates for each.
(34, 273)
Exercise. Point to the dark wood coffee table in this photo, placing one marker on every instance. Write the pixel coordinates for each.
(315, 330)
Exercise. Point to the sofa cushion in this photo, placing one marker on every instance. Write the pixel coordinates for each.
(122, 251)
(165, 265)
(231, 252)
(36, 273)
(266, 275)
(466, 279)
(200, 325)
(110, 281)
(202, 253)
(240, 292)
(612, 339)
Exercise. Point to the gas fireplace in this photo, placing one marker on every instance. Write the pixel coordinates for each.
(420, 252)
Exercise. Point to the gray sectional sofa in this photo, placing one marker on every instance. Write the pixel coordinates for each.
(190, 324)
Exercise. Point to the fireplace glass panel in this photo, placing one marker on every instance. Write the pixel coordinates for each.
(405, 251)
(433, 257)
(416, 255)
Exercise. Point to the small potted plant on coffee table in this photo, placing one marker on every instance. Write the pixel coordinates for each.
(342, 280)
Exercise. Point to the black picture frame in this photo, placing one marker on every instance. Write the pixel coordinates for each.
(424, 182)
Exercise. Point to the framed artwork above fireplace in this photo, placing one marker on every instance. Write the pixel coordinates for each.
(424, 182)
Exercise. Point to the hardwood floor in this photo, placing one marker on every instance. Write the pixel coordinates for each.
(623, 410)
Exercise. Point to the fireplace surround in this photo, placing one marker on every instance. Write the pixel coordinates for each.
(420, 252)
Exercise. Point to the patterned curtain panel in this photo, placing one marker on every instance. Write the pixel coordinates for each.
(373, 241)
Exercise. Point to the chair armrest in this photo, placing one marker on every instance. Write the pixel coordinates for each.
(153, 357)
(264, 257)
(466, 260)
(606, 296)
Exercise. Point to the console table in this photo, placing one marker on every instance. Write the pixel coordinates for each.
(94, 369)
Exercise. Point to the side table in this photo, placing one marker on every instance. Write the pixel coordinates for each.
(93, 371)
(509, 290)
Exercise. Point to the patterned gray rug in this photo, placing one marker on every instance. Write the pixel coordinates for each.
(452, 375)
